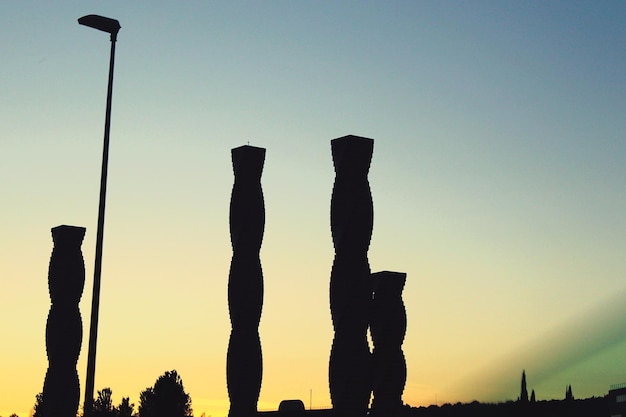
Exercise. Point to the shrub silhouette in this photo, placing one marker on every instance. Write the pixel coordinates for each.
(167, 398)
(103, 405)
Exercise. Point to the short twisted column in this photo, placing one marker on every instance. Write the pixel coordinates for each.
(388, 327)
(351, 222)
(244, 364)
(64, 331)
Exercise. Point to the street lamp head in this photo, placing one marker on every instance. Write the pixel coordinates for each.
(102, 23)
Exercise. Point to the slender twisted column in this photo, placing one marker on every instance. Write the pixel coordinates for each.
(351, 222)
(244, 363)
(388, 327)
(64, 331)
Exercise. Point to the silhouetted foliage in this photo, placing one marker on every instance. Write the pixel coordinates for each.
(568, 394)
(590, 407)
(103, 405)
(125, 409)
(532, 396)
(14, 415)
(38, 407)
(146, 403)
(167, 398)
(523, 398)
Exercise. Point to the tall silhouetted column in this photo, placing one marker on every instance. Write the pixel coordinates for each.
(388, 327)
(351, 221)
(64, 331)
(244, 364)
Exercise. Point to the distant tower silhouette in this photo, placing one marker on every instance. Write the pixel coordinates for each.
(523, 398)
(351, 222)
(64, 330)
(388, 327)
(244, 363)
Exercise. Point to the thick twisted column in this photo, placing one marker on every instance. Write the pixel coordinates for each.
(244, 364)
(351, 222)
(64, 331)
(388, 327)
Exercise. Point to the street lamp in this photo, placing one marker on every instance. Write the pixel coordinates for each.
(110, 26)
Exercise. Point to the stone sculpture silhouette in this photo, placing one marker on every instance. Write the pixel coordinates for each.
(351, 222)
(388, 327)
(244, 364)
(64, 331)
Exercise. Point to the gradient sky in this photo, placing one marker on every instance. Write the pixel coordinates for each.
(498, 180)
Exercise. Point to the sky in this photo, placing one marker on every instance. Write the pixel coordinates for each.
(497, 181)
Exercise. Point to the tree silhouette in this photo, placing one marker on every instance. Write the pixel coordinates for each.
(125, 409)
(38, 407)
(532, 396)
(167, 398)
(103, 405)
(523, 398)
(146, 403)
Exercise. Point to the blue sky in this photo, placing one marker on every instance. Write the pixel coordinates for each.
(497, 179)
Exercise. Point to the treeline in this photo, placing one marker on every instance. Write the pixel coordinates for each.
(166, 398)
(590, 407)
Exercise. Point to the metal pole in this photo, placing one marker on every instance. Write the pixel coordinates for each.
(95, 300)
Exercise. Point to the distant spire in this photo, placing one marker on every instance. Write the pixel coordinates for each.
(523, 398)
(532, 396)
(568, 394)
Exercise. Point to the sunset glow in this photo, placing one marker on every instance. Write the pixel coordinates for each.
(498, 183)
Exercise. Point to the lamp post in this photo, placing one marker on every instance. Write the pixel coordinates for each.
(110, 26)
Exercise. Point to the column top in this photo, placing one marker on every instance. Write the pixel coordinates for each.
(353, 138)
(390, 274)
(353, 153)
(64, 228)
(68, 233)
(248, 159)
(248, 148)
(388, 279)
